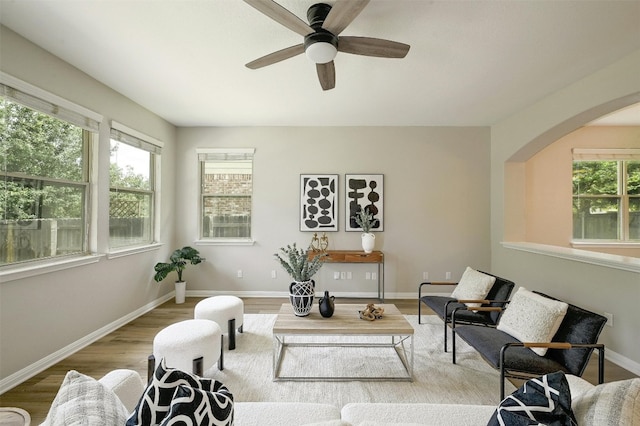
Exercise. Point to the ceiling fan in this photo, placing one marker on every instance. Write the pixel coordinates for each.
(321, 37)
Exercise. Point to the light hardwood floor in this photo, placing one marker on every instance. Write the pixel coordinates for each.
(129, 346)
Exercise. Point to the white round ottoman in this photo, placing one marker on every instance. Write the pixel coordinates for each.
(191, 345)
(226, 311)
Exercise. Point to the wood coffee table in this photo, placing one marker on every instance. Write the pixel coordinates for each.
(345, 322)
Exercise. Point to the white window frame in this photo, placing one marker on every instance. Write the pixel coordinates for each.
(221, 153)
(154, 146)
(94, 120)
(618, 155)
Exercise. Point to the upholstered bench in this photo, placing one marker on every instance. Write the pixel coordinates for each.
(226, 311)
(191, 345)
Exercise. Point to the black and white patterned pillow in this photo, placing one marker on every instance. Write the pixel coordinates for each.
(544, 400)
(156, 399)
(195, 407)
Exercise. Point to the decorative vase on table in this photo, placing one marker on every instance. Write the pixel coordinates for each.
(327, 305)
(301, 297)
(368, 242)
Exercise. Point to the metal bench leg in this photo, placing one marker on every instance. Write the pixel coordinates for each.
(221, 359)
(232, 334)
(198, 367)
(151, 367)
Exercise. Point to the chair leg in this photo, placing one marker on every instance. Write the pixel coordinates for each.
(453, 346)
(601, 365)
(241, 329)
(502, 378)
(445, 333)
(221, 359)
(151, 367)
(232, 334)
(198, 366)
(419, 312)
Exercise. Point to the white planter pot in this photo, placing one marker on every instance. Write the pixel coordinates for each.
(368, 242)
(181, 291)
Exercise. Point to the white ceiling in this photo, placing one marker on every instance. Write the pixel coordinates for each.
(471, 63)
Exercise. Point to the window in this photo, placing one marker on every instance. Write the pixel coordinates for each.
(44, 172)
(132, 188)
(226, 181)
(606, 195)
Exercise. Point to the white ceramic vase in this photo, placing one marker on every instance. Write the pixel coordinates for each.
(181, 291)
(368, 241)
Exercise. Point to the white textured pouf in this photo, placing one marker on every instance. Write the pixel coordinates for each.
(191, 345)
(226, 311)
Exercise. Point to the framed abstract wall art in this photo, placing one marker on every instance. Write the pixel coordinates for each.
(364, 192)
(319, 203)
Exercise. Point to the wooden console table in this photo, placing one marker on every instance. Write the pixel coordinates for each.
(359, 256)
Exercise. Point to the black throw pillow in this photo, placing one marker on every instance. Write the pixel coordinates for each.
(544, 400)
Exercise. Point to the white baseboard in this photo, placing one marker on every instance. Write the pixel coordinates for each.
(621, 361)
(26, 373)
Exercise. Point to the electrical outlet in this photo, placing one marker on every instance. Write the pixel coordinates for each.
(609, 318)
(239, 273)
(274, 274)
(425, 276)
(349, 275)
(367, 275)
(447, 276)
(343, 275)
(336, 275)
(374, 275)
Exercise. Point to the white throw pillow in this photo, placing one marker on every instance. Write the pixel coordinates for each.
(532, 318)
(473, 285)
(615, 403)
(82, 400)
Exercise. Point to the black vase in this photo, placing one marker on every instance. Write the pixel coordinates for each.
(327, 305)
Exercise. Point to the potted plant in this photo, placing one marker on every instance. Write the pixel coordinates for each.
(178, 261)
(301, 266)
(365, 220)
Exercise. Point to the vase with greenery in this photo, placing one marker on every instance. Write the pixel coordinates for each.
(178, 261)
(366, 221)
(301, 266)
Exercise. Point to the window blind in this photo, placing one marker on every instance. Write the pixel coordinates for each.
(121, 134)
(49, 108)
(225, 154)
(585, 154)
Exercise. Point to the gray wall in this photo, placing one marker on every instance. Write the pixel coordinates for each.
(436, 202)
(517, 138)
(43, 314)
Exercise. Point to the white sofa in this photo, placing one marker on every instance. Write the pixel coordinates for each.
(591, 404)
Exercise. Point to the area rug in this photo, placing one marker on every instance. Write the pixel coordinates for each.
(248, 370)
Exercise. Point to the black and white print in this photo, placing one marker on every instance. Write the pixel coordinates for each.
(364, 192)
(319, 203)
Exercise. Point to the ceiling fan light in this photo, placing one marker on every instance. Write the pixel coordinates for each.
(321, 52)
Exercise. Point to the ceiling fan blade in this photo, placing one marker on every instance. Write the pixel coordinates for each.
(281, 15)
(327, 75)
(368, 46)
(278, 56)
(342, 13)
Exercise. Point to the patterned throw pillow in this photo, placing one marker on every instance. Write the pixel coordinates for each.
(530, 317)
(195, 407)
(83, 400)
(615, 403)
(544, 400)
(473, 285)
(156, 399)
